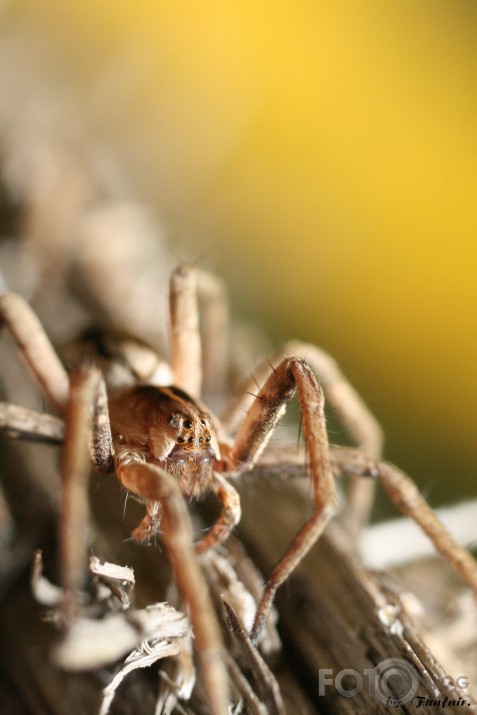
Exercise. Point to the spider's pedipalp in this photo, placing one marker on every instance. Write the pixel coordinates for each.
(229, 516)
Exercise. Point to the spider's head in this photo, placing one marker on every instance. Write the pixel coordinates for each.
(169, 428)
(192, 429)
(195, 449)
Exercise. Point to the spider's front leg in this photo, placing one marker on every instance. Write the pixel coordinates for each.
(155, 484)
(356, 418)
(268, 407)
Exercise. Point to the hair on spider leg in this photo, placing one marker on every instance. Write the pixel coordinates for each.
(427, 489)
(150, 541)
(300, 426)
(155, 543)
(252, 375)
(191, 262)
(252, 394)
(175, 252)
(125, 504)
(271, 365)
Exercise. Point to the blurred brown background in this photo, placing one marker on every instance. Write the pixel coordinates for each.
(321, 157)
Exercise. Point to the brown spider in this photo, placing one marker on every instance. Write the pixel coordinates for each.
(164, 444)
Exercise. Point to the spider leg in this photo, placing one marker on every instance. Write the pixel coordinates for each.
(186, 353)
(198, 353)
(23, 423)
(270, 404)
(214, 317)
(36, 349)
(356, 418)
(404, 493)
(229, 516)
(87, 438)
(154, 483)
(101, 446)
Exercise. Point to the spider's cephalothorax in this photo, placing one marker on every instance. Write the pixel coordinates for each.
(169, 429)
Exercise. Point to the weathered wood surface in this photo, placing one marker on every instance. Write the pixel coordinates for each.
(336, 615)
(333, 614)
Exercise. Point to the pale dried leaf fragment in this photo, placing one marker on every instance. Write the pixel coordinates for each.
(178, 678)
(232, 575)
(146, 655)
(118, 579)
(223, 579)
(44, 592)
(117, 634)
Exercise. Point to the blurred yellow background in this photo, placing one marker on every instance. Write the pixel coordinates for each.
(320, 156)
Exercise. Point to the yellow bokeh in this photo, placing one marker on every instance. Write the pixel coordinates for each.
(324, 156)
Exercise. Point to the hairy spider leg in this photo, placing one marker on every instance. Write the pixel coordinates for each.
(156, 484)
(293, 374)
(356, 418)
(404, 493)
(75, 469)
(36, 349)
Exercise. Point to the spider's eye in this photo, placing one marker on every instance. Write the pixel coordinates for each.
(207, 439)
(187, 424)
(180, 440)
(203, 423)
(190, 440)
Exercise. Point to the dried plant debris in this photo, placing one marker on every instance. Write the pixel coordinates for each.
(118, 634)
(45, 593)
(106, 618)
(177, 679)
(118, 579)
(148, 653)
(265, 682)
(144, 636)
(231, 574)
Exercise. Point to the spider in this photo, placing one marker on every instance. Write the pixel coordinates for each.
(164, 444)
